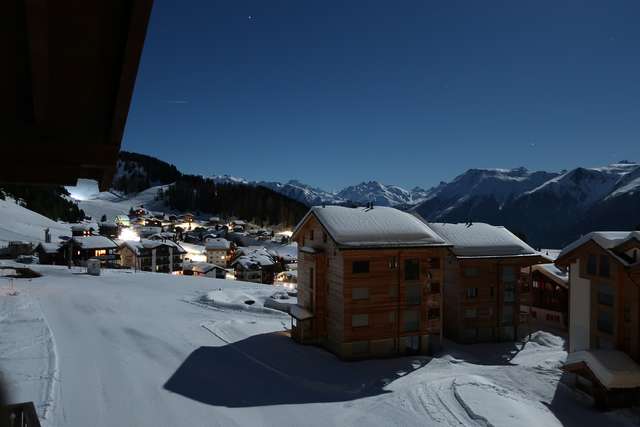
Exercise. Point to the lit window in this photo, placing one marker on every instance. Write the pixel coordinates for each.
(100, 252)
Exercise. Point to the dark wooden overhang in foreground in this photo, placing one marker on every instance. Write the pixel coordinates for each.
(75, 69)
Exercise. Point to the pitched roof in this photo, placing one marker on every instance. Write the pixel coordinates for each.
(480, 240)
(137, 246)
(373, 227)
(554, 273)
(95, 242)
(201, 267)
(218, 244)
(607, 240)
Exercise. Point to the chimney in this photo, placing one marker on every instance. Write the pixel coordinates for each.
(47, 235)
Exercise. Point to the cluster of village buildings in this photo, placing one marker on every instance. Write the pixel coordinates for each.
(377, 281)
(156, 243)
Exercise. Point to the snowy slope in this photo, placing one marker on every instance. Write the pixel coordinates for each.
(95, 204)
(141, 346)
(310, 196)
(586, 186)
(19, 223)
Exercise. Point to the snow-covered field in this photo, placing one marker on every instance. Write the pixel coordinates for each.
(139, 349)
(19, 223)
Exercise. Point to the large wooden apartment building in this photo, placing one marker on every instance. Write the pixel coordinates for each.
(369, 282)
(604, 314)
(482, 276)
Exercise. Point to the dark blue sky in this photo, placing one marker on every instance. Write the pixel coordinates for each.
(405, 92)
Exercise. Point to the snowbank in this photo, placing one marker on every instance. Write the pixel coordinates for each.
(251, 299)
(614, 369)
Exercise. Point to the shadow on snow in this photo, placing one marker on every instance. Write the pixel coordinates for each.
(270, 369)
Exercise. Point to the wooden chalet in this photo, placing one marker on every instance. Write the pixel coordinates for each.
(255, 265)
(482, 281)
(604, 315)
(369, 282)
(159, 256)
(79, 249)
(204, 269)
(50, 253)
(219, 251)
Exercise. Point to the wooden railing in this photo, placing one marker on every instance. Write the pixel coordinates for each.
(19, 415)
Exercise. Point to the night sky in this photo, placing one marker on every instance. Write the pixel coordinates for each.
(406, 92)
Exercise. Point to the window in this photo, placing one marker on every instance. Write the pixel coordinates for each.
(359, 320)
(324, 237)
(434, 263)
(393, 263)
(433, 313)
(100, 252)
(507, 315)
(604, 266)
(359, 293)
(434, 287)
(360, 347)
(509, 292)
(472, 292)
(471, 272)
(592, 265)
(411, 269)
(411, 320)
(508, 274)
(414, 294)
(359, 267)
(470, 313)
(491, 290)
(311, 234)
(605, 294)
(605, 321)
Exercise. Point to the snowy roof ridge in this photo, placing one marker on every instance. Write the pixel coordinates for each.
(481, 240)
(607, 240)
(380, 226)
(95, 242)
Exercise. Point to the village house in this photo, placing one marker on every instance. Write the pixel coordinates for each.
(604, 315)
(50, 253)
(78, 230)
(255, 265)
(219, 251)
(482, 277)
(78, 250)
(203, 269)
(109, 229)
(368, 282)
(545, 298)
(152, 255)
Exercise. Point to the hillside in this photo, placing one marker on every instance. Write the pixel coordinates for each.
(20, 223)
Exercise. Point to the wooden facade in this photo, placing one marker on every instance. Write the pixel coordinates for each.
(483, 298)
(545, 298)
(367, 301)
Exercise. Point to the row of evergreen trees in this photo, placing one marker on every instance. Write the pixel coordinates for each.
(48, 200)
(254, 203)
(137, 172)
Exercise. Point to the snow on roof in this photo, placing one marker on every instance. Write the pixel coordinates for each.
(218, 244)
(480, 240)
(380, 226)
(553, 272)
(50, 248)
(253, 258)
(200, 267)
(614, 369)
(300, 313)
(607, 240)
(137, 246)
(95, 242)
